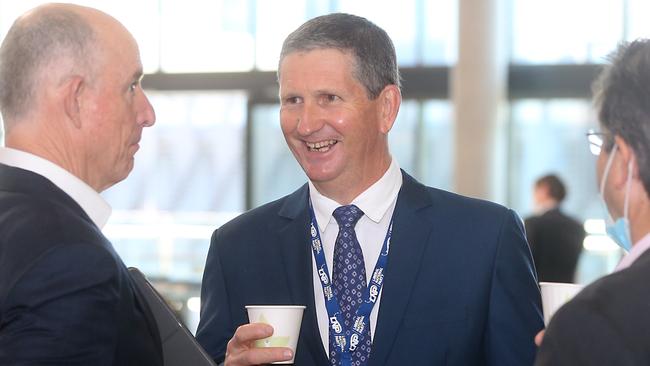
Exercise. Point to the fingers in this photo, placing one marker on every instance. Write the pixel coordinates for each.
(259, 356)
(539, 337)
(250, 332)
(240, 350)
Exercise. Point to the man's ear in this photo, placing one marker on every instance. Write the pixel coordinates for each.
(389, 101)
(73, 90)
(626, 156)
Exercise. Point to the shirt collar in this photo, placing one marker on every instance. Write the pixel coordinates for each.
(90, 201)
(374, 201)
(637, 249)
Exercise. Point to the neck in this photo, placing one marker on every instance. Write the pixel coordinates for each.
(50, 143)
(345, 192)
(640, 223)
(547, 205)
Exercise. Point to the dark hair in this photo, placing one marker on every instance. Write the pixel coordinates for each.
(556, 188)
(622, 98)
(30, 45)
(373, 51)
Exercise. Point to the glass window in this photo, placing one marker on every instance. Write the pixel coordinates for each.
(271, 30)
(274, 171)
(637, 19)
(558, 31)
(400, 25)
(424, 32)
(139, 17)
(422, 140)
(440, 20)
(402, 139)
(206, 36)
(436, 145)
(548, 136)
(188, 179)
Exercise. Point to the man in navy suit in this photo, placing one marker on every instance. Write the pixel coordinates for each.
(392, 272)
(73, 113)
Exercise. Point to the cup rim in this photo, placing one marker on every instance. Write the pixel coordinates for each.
(561, 284)
(275, 306)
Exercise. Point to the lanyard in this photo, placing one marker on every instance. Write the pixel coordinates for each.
(348, 339)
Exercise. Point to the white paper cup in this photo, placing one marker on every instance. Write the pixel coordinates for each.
(556, 294)
(285, 320)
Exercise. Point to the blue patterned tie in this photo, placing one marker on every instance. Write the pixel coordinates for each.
(349, 281)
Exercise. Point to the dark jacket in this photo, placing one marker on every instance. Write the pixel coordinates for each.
(606, 324)
(556, 243)
(459, 287)
(66, 298)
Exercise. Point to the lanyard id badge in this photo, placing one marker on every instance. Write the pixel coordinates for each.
(346, 340)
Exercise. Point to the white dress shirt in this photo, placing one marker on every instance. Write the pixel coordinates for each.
(90, 201)
(637, 249)
(377, 203)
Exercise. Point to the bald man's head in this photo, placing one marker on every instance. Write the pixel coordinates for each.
(53, 41)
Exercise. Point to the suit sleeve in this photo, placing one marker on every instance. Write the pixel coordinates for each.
(580, 334)
(215, 327)
(515, 314)
(62, 310)
(529, 225)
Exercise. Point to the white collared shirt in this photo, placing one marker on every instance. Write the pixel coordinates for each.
(90, 201)
(377, 203)
(637, 249)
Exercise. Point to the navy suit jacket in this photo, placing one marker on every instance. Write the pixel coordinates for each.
(459, 288)
(66, 298)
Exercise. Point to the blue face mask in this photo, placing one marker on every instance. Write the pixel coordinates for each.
(618, 230)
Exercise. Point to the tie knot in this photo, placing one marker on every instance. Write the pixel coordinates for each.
(347, 216)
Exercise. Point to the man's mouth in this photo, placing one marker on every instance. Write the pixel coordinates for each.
(320, 146)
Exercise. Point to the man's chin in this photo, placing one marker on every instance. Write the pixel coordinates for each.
(321, 178)
(124, 172)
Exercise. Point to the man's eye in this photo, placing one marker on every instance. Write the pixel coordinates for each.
(331, 98)
(292, 100)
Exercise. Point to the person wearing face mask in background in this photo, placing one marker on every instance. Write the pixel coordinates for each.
(555, 239)
(608, 323)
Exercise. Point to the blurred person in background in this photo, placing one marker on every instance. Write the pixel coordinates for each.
(73, 112)
(608, 323)
(555, 239)
(444, 279)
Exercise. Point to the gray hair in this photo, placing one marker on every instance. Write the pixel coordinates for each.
(47, 35)
(622, 98)
(373, 51)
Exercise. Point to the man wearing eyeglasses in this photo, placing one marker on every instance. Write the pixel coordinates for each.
(608, 322)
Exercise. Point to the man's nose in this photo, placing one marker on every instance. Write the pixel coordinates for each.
(310, 120)
(147, 115)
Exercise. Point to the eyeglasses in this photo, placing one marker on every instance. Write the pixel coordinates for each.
(595, 140)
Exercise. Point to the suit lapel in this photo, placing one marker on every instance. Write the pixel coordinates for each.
(295, 251)
(410, 235)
